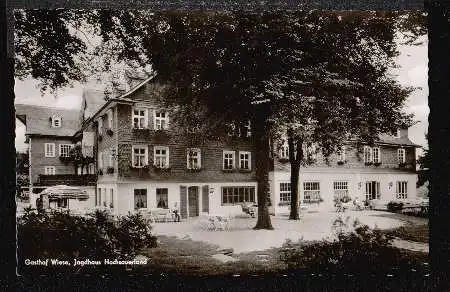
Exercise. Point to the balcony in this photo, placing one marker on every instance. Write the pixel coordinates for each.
(67, 179)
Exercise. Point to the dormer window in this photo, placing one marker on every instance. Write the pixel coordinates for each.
(397, 134)
(56, 121)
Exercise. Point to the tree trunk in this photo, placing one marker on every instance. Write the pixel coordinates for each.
(262, 161)
(295, 172)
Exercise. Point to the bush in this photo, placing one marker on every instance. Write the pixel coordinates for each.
(360, 252)
(63, 236)
(393, 206)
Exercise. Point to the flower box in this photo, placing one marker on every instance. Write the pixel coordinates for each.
(194, 169)
(65, 159)
(245, 170)
(161, 169)
(110, 170)
(402, 165)
(377, 163)
(341, 162)
(368, 163)
(229, 170)
(145, 167)
(283, 160)
(284, 204)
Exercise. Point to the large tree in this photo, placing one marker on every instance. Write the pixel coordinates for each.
(227, 64)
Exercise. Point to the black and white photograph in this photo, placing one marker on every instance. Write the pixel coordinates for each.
(222, 143)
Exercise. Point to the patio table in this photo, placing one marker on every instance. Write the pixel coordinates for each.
(219, 222)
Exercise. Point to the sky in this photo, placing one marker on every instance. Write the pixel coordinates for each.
(412, 71)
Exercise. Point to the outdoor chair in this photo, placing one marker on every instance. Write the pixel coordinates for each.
(249, 209)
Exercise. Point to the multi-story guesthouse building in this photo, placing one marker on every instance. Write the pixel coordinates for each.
(383, 172)
(50, 137)
(142, 160)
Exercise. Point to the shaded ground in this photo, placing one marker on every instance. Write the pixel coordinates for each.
(414, 228)
(243, 239)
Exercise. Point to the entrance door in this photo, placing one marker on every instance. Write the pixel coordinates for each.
(372, 190)
(193, 201)
(183, 202)
(205, 199)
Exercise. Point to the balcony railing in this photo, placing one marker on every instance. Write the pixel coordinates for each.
(67, 179)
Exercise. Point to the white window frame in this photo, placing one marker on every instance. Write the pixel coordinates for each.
(311, 190)
(248, 159)
(139, 117)
(401, 155)
(377, 158)
(189, 159)
(368, 158)
(49, 170)
(110, 119)
(236, 195)
(284, 151)
(340, 189)
(341, 154)
(248, 128)
(166, 156)
(61, 146)
(56, 121)
(145, 156)
(50, 152)
(401, 190)
(158, 121)
(233, 159)
(285, 192)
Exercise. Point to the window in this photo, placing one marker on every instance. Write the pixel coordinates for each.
(401, 155)
(244, 160)
(341, 154)
(62, 203)
(285, 192)
(162, 195)
(367, 154)
(340, 189)
(397, 134)
(247, 127)
(140, 118)
(110, 119)
(311, 192)
(284, 151)
(64, 149)
(49, 170)
(311, 152)
(100, 160)
(376, 157)
(193, 158)
(140, 198)
(228, 160)
(401, 190)
(161, 121)
(236, 195)
(111, 198)
(372, 190)
(140, 156)
(100, 125)
(161, 156)
(56, 121)
(49, 149)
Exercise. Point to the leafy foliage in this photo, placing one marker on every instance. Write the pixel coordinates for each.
(358, 252)
(393, 206)
(60, 235)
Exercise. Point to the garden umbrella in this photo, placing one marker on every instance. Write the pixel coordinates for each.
(65, 192)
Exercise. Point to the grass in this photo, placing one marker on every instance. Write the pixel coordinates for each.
(190, 257)
(415, 228)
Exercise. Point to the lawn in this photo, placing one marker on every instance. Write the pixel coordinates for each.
(414, 228)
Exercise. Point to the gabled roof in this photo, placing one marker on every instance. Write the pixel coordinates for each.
(93, 100)
(37, 120)
(403, 141)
